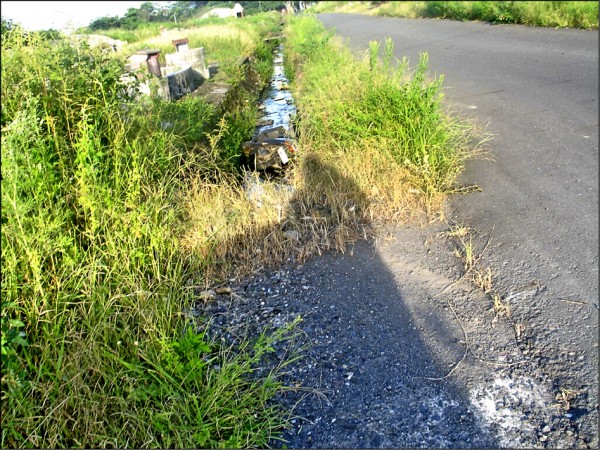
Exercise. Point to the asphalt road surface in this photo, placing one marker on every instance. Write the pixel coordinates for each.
(538, 89)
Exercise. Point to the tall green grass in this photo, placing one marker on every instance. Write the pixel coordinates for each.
(379, 122)
(97, 350)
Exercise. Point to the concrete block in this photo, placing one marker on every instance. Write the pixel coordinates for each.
(194, 57)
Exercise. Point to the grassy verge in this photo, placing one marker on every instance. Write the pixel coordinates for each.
(564, 14)
(96, 348)
(379, 123)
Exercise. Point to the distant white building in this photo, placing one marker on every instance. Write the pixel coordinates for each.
(236, 11)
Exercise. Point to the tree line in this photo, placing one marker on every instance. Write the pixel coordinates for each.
(177, 11)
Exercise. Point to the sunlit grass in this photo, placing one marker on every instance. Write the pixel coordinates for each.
(97, 348)
(563, 14)
(379, 123)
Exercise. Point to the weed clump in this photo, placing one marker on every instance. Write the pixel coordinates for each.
(379, 123)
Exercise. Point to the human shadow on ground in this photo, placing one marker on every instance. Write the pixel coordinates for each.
(365, 379)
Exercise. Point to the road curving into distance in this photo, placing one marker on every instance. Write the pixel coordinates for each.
(538, 90)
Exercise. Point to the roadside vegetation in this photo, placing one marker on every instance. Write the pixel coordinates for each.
(97, 347)
(112, 222)
(378, 123)
(564, 14)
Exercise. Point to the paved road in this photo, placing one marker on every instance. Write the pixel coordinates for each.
(538, 88)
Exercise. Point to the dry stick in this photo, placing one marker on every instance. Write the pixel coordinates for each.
(467, 346)
(470, 268)
(466, 335)
(573, 302)
(497, 364)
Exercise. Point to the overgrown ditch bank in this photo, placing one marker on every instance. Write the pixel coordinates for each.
(113, 224)
(97, 203)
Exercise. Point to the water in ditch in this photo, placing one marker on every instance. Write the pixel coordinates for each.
(272, 148)
(277, 105)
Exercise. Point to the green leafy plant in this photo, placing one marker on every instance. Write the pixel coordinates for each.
(13, 338)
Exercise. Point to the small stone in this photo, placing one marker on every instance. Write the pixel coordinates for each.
(543, 438)
(546, 429)
(292, 234)
(208, 295)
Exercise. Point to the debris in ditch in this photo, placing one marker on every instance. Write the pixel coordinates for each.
(270, 133)
(269, 149)
(264, 123)
(273, 146)
(271, 154)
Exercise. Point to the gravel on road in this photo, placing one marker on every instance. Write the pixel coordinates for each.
(388, 361)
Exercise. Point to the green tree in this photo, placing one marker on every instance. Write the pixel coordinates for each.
(146, 12)
(131, 19)
(6, 26)
(105, 23)
(181, 10)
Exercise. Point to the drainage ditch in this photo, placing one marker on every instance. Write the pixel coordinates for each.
(273, 145)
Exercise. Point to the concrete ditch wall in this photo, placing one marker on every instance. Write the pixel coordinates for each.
(180, 83)
(195, 58)
(184, 73)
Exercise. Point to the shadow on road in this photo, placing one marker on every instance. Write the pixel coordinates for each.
(366, 350)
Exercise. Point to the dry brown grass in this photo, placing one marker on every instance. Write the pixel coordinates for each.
(329, 203)
(483, 279)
